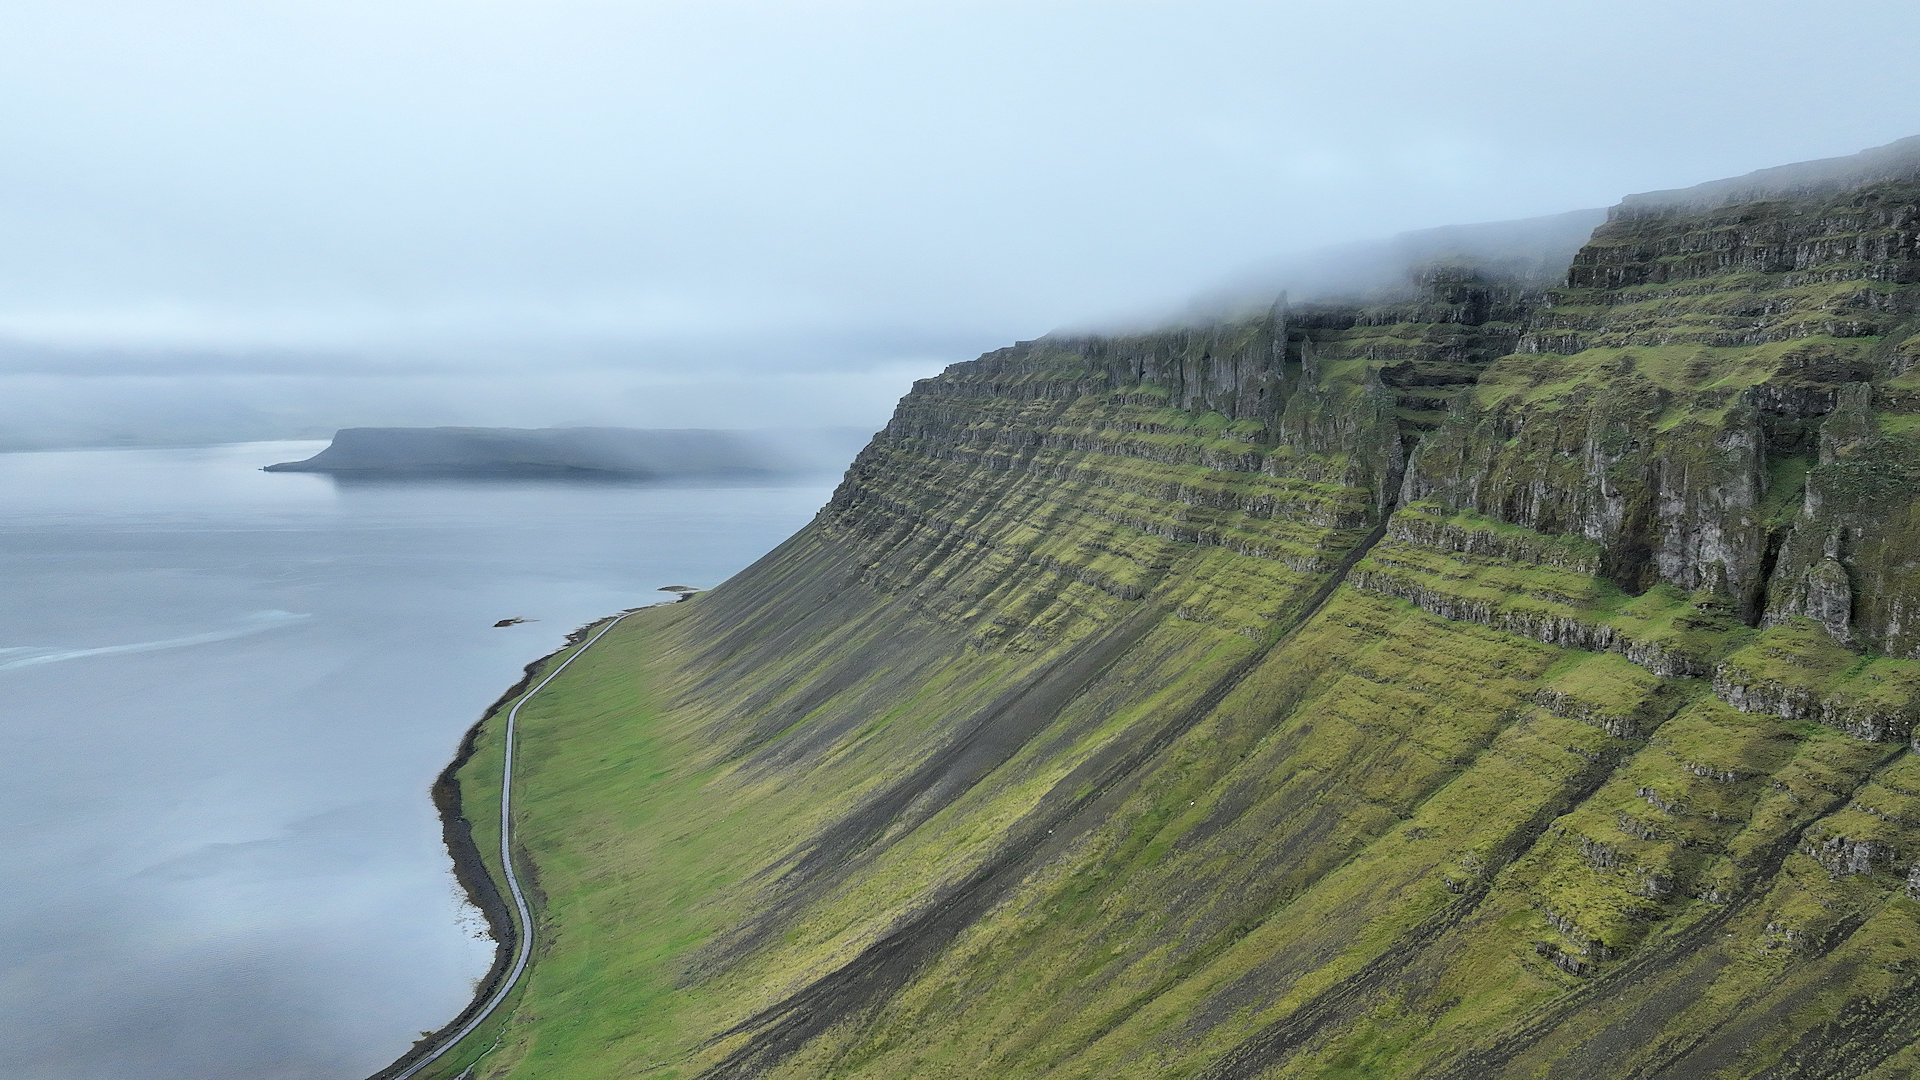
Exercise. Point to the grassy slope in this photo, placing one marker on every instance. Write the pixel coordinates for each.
(1273, 860)
(1051, 749)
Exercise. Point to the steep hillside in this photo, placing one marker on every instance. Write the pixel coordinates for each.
(1495, 682)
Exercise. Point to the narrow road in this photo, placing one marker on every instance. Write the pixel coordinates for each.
(524, 916)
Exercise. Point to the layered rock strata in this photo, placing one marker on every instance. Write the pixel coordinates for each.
(1495, 682)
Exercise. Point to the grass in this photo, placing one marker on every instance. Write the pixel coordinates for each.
(1413, 823)
(1353, 788)
(1682, 370)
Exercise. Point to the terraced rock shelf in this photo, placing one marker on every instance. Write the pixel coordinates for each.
(1480, 681)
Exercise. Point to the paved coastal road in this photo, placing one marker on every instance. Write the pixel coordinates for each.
(523, 916)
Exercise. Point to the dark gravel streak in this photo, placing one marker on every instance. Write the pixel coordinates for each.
(1055, 826)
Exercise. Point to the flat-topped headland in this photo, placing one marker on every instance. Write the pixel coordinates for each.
(580, 452)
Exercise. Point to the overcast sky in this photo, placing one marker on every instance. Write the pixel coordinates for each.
(551, 211)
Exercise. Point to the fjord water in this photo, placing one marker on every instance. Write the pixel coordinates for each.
(223, 697)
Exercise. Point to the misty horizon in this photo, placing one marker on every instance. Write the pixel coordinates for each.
(228, 222)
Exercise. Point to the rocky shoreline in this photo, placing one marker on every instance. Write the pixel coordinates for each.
(469, 867)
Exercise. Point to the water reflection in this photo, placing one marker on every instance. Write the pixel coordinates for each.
(227, 693)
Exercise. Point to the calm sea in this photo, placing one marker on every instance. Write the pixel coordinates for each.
(223, 697)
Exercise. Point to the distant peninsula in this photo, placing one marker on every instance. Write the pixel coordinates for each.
(582, 452)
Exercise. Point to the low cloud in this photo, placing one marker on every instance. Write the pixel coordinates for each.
(389, 193)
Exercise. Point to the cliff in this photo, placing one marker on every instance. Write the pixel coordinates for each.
(1493, 681)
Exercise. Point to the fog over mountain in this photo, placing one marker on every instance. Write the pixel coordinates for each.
(225, 220)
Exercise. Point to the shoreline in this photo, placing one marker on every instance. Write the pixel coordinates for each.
(469, 865)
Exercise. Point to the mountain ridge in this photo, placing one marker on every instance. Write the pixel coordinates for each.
(1497, 680)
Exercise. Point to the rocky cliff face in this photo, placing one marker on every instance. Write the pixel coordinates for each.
(1493, 682)
(1720, 399)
